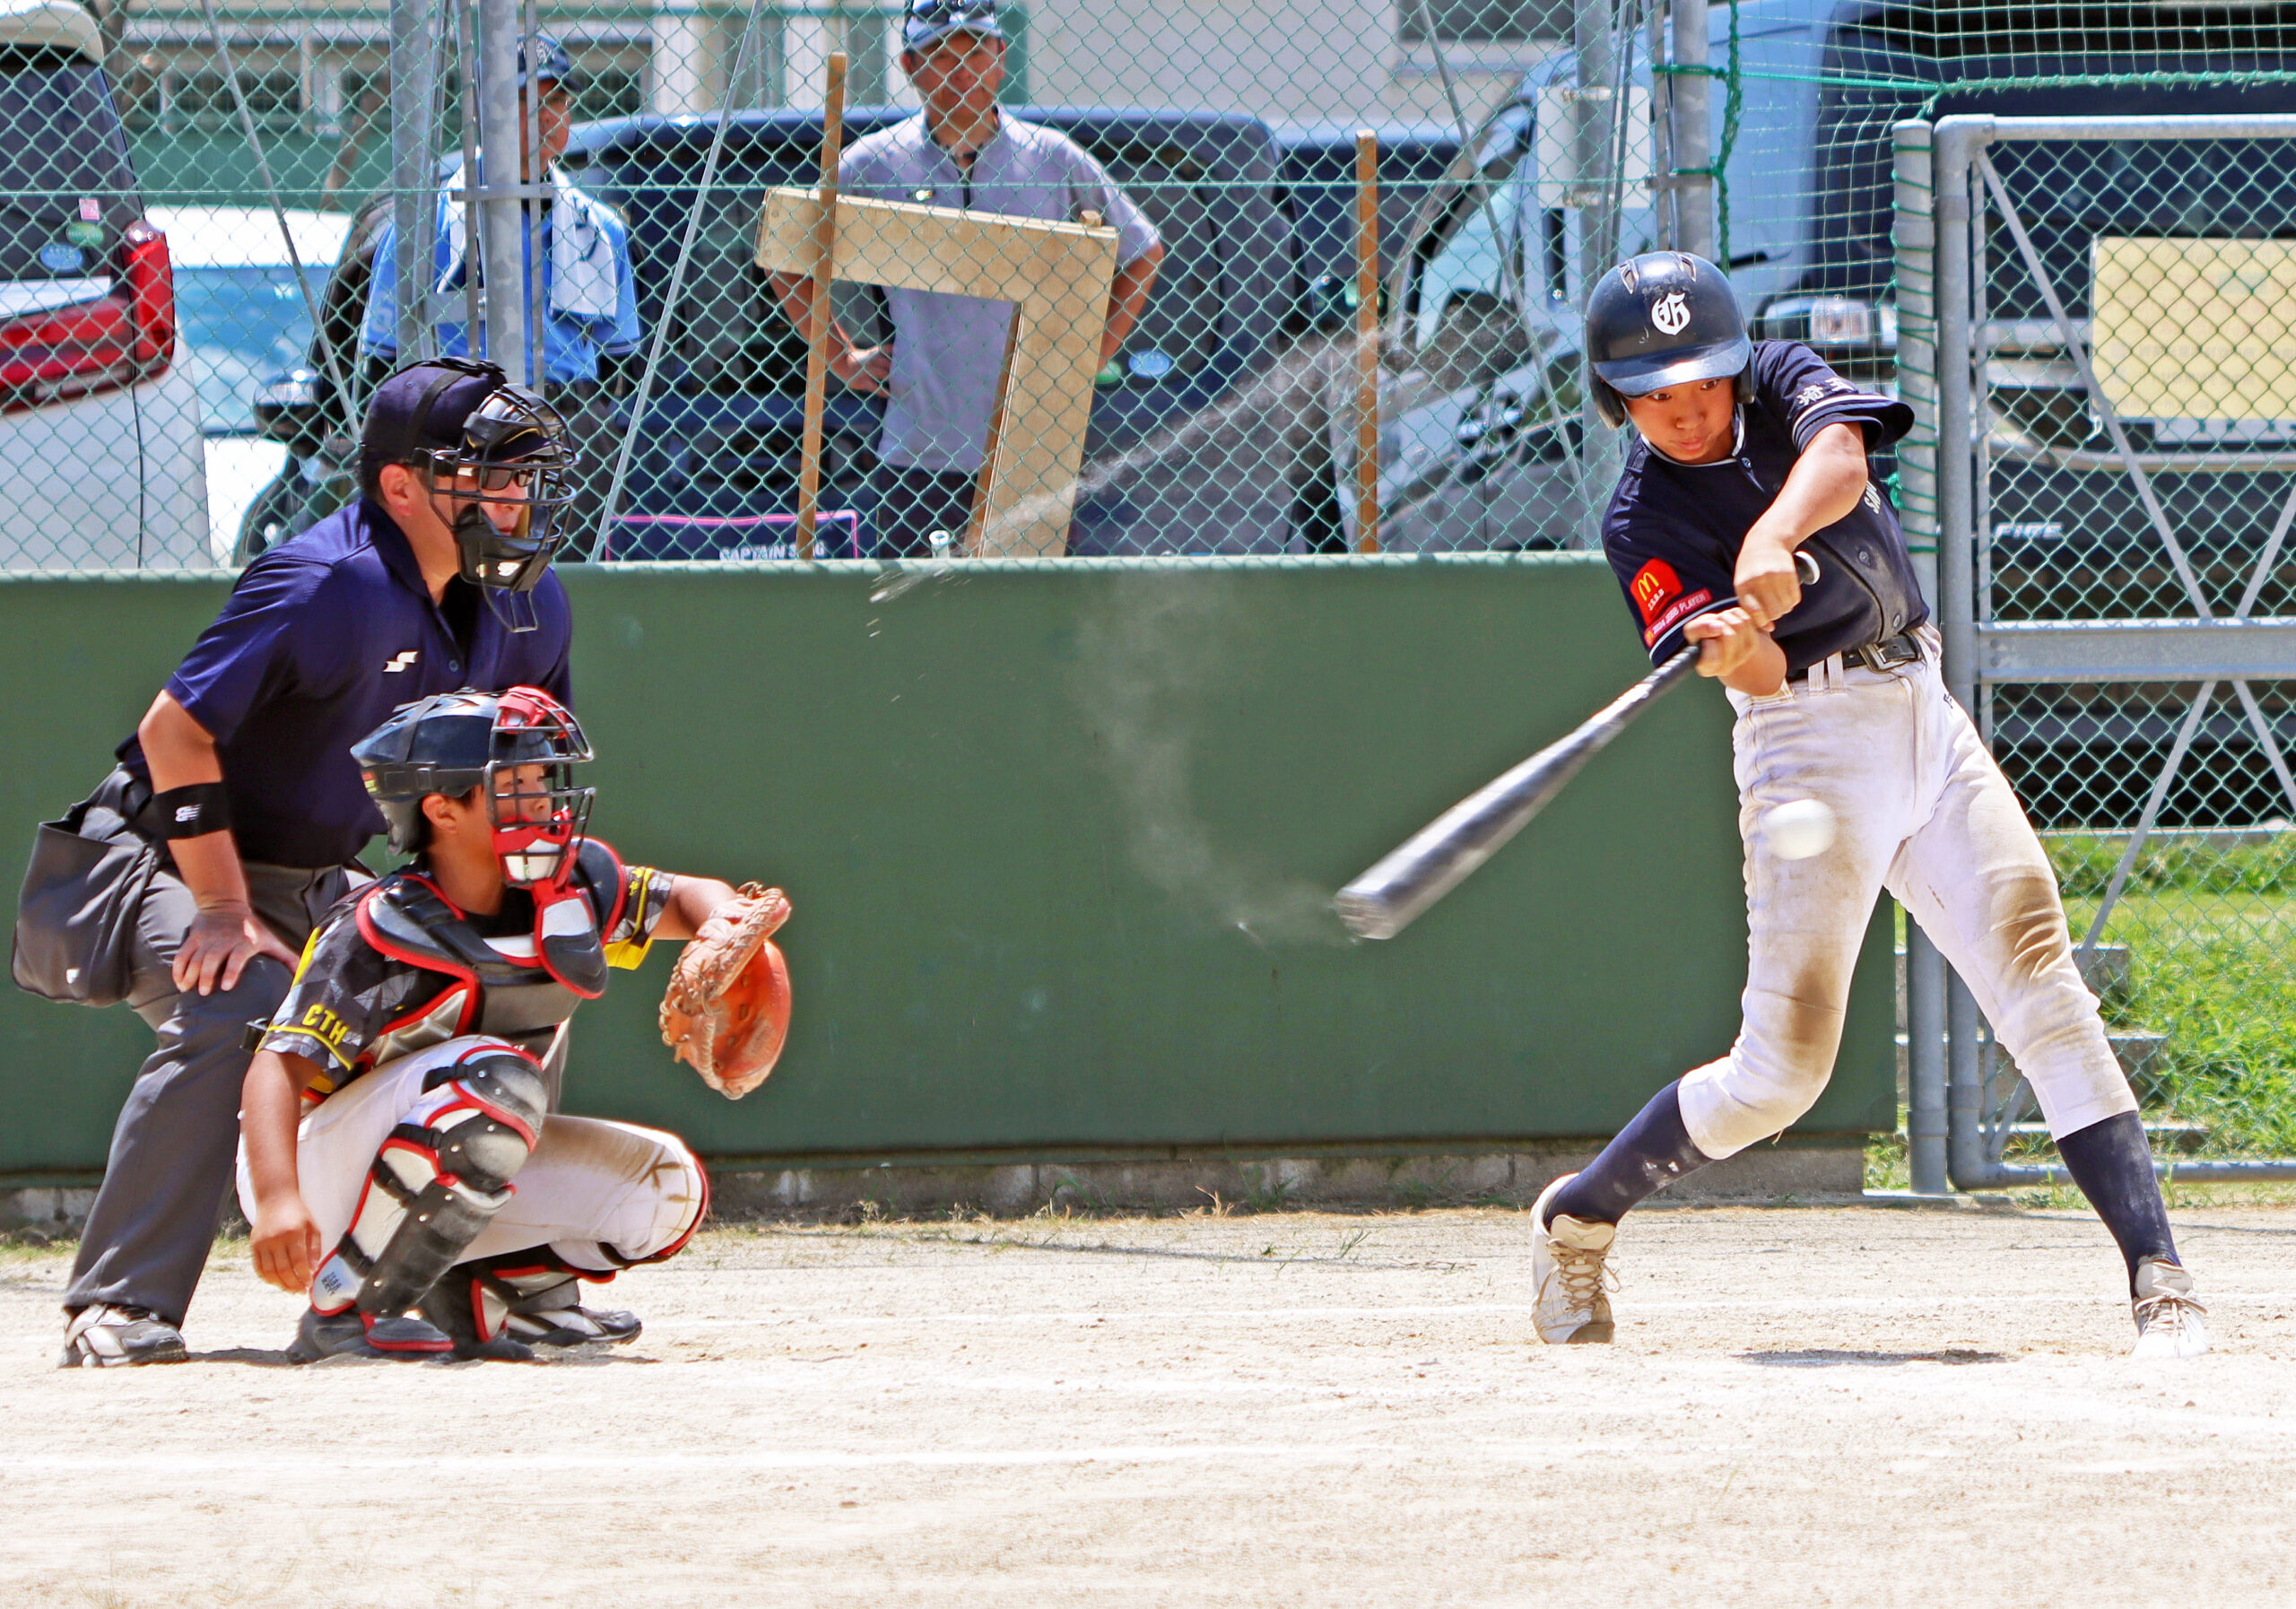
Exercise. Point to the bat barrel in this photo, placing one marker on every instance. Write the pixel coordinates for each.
(1433, 861)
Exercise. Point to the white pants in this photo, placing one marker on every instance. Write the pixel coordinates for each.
(1922, 811)
(600, 1194)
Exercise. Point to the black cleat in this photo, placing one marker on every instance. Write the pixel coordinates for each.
(351, 1333)
(460, 1327)
(104, 1337)
(573, 1326)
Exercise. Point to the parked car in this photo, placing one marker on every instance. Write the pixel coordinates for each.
(243, 318)
(99, 443)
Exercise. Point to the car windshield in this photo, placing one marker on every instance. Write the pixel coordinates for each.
(241, 325)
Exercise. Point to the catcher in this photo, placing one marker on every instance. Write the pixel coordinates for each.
(409, 1078)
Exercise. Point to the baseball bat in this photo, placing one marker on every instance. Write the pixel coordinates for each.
(1433, 861)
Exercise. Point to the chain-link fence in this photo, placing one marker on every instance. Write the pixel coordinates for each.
(2112, 345)
(1165, 301)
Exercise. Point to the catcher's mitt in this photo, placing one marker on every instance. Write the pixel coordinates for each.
(726, 1009)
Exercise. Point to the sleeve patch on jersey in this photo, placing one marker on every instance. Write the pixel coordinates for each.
(1654, 587)
(1679, 610)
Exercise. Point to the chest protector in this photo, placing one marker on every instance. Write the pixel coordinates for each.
(521, 987)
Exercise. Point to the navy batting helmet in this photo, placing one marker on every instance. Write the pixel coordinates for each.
(1666, 319)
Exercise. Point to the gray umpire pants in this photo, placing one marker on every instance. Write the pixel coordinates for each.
(173, 1148)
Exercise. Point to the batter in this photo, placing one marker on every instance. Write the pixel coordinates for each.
(1746, 455)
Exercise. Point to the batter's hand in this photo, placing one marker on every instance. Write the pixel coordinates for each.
(866, 368)
(223, 938)
(1731, 637)
(1766, 583)
(284, 1243)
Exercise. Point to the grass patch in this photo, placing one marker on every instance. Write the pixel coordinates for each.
(2211, 931)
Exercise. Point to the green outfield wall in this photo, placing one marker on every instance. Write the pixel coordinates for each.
(1060, 838)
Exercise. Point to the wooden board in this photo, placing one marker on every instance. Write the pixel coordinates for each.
(1057, 277)
(2196, 329)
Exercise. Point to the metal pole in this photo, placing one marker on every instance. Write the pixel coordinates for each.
(414, 196)
(422, 294)
(1596, 54)
(1925, 1041)
(1955, 140)
(1367, 341)
(473, 311)
(666, 319)
(499, 206)
(1914, 235)
(530, 213)
(1690, 132)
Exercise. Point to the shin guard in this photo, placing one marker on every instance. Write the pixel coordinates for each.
(437, 1182)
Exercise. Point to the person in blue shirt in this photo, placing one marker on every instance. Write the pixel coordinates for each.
(241, 778)
(588, 296)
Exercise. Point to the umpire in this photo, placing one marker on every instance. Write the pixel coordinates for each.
(240, 798)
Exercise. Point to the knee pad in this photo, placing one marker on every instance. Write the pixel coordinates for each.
(437, 1182)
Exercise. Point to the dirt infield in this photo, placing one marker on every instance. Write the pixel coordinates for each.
(1806, 1407)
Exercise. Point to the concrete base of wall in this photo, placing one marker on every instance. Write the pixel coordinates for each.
(45, 1210)
(1513, 1179)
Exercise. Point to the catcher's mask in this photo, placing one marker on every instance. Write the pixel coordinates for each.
(520, 746)
(514, 446)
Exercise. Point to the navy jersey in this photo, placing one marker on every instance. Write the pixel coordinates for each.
(1673, 530)
(324, 636)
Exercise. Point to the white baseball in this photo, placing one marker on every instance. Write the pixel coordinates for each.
(1798, 829)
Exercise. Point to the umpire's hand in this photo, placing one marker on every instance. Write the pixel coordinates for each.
(224, 937)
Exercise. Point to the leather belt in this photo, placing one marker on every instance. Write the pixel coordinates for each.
(1904, 648)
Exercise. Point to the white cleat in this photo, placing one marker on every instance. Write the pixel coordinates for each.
(1570, 1304)
(2168, 1319)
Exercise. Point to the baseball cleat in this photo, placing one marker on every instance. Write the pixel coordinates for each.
(105, 1336)
(460, 1326)
(2167, 1318)
(351, 1333)
(573, 1326)
(1570, 1303)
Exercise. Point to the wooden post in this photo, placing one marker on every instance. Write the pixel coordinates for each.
(809, 457)
(1367, 341)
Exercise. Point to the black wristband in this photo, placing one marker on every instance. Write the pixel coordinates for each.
(189, 812)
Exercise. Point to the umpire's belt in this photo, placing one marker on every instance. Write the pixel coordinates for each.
(1904, 648)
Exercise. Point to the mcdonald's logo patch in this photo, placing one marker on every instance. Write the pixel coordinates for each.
(1654, 587)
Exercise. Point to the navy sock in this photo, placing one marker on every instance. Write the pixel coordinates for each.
(1649, 1153)
(2112, 1162)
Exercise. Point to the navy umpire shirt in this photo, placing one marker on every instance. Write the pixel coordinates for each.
(1673, 530)
(324, 636)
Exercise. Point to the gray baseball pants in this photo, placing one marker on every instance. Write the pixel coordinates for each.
(172, 1150)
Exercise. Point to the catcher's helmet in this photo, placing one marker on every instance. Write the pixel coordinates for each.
(457, 417)
(1665, 319)
(453, 742)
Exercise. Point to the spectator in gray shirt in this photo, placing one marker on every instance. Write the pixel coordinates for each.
(940, 371)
